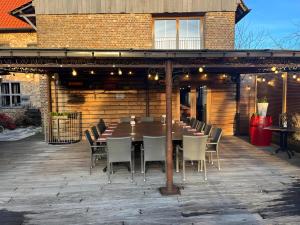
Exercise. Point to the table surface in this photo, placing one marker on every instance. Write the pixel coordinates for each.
(148, 129)
(281, 129)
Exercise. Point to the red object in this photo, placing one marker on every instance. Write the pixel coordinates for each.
(258, 135)
(7, 122)
(8, 21)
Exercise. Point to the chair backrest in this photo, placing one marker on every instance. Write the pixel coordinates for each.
(194, 147)
(119, 149)
(125, 120)
(192, 121)
(147, 119)
(88, 137)
(154, 148)
(207, 130)
(194, 124)
(101, 126)
(95, 132)
(216, 136)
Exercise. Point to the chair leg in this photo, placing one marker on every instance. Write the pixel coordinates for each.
(91, 164)
(144, 165)
(142, 162)
(205, 176)
(218, 158)
(177, 159)
(211, 158)
(133, 162)
(131, 170)
(199, 165)
(183, 170)
(108, 171)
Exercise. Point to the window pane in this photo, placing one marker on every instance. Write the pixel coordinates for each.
(5, 88)
(189, 34)
(16, 101)
(5, 101)
(15, 88)
(165, 34)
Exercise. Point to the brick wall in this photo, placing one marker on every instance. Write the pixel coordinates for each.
(219, 30)
(29, 85)
(114, 31)
(17, 40)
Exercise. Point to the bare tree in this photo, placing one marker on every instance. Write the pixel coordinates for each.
(290, 41)
(249, 38)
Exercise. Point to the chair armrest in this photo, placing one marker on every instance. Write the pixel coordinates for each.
(179, 148)
(212, 143)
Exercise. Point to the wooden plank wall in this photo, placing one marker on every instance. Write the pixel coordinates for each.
(221, 106)
(273, 92)
(110, 105)
(293, 95)
(132, 6)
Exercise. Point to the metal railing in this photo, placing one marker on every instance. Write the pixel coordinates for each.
(181, 43)
(63, 128)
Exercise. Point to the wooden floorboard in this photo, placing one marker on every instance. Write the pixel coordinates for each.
(46, 184)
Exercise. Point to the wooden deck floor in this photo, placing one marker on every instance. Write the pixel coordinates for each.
(44, 184)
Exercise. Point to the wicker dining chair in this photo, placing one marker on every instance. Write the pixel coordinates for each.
(119, 150)
(153, 149)
(97, 151)
(200, 126)
(208, 129)
(101, 126)
(193, 149)
(95, 132)
(213, 146)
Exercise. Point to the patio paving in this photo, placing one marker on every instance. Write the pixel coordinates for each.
(46, 184)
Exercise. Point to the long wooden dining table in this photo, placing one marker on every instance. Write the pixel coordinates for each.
(147, 129)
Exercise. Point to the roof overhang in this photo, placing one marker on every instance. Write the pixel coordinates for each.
(26, 13)
(241, 11)
(237, 61)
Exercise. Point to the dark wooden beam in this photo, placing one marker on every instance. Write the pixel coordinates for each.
(170, 189)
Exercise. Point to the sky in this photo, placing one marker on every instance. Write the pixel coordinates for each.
(278, 18)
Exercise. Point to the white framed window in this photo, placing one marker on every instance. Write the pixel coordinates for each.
(10, 95)
(177, 33)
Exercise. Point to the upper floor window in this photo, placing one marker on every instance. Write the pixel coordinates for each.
(10, 95)
(177, 33)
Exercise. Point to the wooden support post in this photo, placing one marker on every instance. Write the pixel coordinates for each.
(284, 91)
(170, 189)
(238, 105)
(147, 98)
(193, 101)
(255, 94)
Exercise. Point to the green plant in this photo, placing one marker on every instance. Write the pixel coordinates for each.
(59, 114)
(262, 100)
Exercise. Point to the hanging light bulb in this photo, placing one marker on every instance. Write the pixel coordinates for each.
(201, 70)
(187, 76)
(274, 69)
(156, 77)
(295, 76)
(224, 75)
(112, 73)
(74, 73)
(149, 76)
(130, 73)
(92, 72)
(283, 76)
(120, 72)
(298, 79)
(250, 77)
(27, 76)
(263, 80)
(205, 75)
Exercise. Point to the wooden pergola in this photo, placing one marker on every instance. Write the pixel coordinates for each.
(214, 61)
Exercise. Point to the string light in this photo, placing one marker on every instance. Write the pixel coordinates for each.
(283, 76)
(250, 77)
(187, 76)
(27, 76)
(112, 73)
(274, 69)
(92, 72)
(130, 73)
(263, 80)
(149, 76)
(298, 79)
(156, 77)
(205, 75)
(74, 73)
(295, 76)
(120, 72)
(201, 69)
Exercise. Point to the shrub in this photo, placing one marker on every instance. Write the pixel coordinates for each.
(7, 122)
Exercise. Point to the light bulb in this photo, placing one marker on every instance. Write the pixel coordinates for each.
(201, 69)
(74, 73)
(156, 77)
